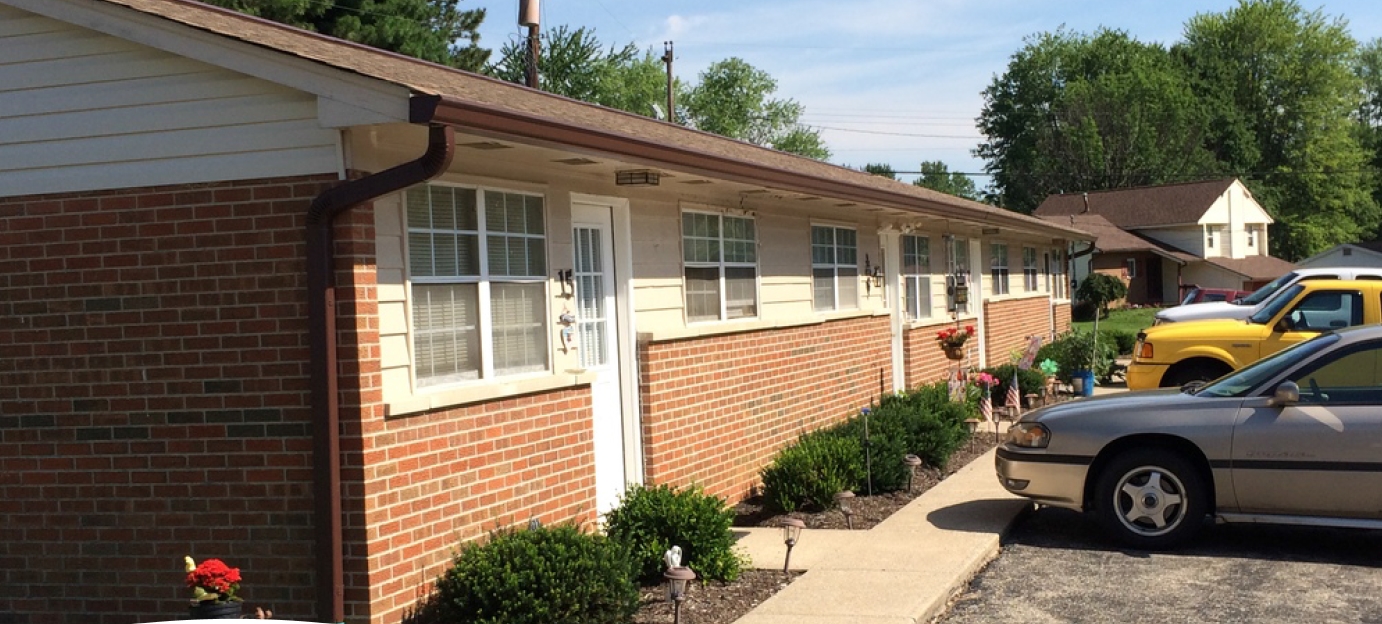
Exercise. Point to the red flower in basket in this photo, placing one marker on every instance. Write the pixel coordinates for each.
(212, 581)
(954, 337)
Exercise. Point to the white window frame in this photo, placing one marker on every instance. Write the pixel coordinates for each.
(1252, 235)
(1060, 284)
(826, 256)
(1131, 265)
(916, 276)
(1029, 269)
(720, 265)
(484, 279)
(998, 267)
(1209, 242)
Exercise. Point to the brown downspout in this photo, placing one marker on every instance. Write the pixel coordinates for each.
(321, 329)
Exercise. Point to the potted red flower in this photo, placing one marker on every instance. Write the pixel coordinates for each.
(952, 340)
(214, 585)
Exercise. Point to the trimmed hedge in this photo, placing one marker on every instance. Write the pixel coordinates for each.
(810, 472)
(650, 520)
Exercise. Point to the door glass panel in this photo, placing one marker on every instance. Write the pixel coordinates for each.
(591, 329)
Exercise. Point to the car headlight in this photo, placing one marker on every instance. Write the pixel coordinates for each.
(1029, 435)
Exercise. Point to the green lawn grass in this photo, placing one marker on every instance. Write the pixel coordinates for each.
(1127, 320)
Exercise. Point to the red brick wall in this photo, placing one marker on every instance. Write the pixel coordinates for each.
(922, 356)
(716, 409)
(153, 399)
(1008, 323)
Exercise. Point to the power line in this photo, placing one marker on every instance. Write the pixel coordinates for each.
(904, 134)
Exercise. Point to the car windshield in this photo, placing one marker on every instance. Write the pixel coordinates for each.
(1253, 375)
(1261, 294)
(1276, 304)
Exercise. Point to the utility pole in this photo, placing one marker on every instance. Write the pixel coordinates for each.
(528, 16)
(671, 94)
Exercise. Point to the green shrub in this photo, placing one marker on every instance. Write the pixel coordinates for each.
(1082, 311)
(1101, 289)
(810, 472)
(1123, 339)
(886, 444)
(1075, 351)
(1030, 381)
(539, 575)
(650, 520)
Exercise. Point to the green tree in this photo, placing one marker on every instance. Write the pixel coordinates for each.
(1078, 112)
(733, 99)
(880, 169)
(1282, 94)
(575, 64)
(1368, 127)
(1100, 289)
(936, 176)
(432, 30)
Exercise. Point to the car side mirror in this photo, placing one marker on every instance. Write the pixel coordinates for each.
(1287, 393)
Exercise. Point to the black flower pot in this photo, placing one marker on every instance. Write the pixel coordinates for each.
(216, 610)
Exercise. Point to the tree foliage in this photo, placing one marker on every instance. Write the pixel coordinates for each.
(575, 64)
(936, 176)
(1101, 289)
(432, 30)
(1281, 89)
(1088, 112)
(1265, 91)
(881, 169)
(733, 99)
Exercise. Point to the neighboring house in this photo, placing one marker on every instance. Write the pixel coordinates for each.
(1163, 239)
(322, 311)
(1364, 254)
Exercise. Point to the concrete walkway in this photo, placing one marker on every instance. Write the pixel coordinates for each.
(902, 571)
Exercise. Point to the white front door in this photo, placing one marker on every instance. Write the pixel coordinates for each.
(599, 348)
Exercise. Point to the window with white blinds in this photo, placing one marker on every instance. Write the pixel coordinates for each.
(720, 264)
(998, 267)
(834, 268)
(916, 275)
(1029, 269)
(477, 264)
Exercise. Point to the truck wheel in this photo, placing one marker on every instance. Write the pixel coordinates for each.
(1182, 374)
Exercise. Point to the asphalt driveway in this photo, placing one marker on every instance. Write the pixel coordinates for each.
(1055, 566)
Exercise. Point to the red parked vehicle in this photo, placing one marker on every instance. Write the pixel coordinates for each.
(1201, 295)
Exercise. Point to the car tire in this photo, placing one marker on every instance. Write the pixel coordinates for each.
(1151, 499)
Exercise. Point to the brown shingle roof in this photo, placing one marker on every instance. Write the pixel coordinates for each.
(642, 135)
(1169, 204)
(1111, 238)
(1254, 267)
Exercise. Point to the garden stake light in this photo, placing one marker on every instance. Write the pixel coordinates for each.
(791, 530)
(677, 578)
(843, 499)
(912, 462)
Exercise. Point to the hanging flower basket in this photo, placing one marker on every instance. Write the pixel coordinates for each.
(952, 341)
(954, 353)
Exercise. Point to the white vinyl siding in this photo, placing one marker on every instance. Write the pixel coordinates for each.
(84, 111)
(834, 268)
(916, 276)
(477, 263)
(720, 266)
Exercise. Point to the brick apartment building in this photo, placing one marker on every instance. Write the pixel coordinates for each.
(321, 311)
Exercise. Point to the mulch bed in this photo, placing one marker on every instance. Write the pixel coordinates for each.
(723, 603)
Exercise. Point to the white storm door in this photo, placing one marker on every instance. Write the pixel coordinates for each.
(597, 345)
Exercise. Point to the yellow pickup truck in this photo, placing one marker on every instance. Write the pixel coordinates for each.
(1178, 353)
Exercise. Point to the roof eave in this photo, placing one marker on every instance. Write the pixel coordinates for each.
(555, 133)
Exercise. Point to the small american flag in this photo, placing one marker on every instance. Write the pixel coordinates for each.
(986, 407)
(1014, 398)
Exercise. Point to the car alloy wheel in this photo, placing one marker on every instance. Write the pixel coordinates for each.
(1151, 499)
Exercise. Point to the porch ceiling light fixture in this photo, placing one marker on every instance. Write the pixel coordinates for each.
(636, 177)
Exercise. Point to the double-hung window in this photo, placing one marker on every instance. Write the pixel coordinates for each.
(720, 263)
(477, 261)
(998, 267)
(834, 267)
(1029, 269)
(916, 275)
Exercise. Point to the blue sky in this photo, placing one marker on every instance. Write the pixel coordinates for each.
(887, 81)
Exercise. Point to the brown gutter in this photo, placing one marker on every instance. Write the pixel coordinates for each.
(321, 329)
(548, 132)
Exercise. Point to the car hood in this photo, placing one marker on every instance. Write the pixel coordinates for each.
(1113, 405)
(1209, 330)
(1207, 310)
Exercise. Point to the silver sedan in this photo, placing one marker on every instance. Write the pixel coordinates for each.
(1295, 438)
